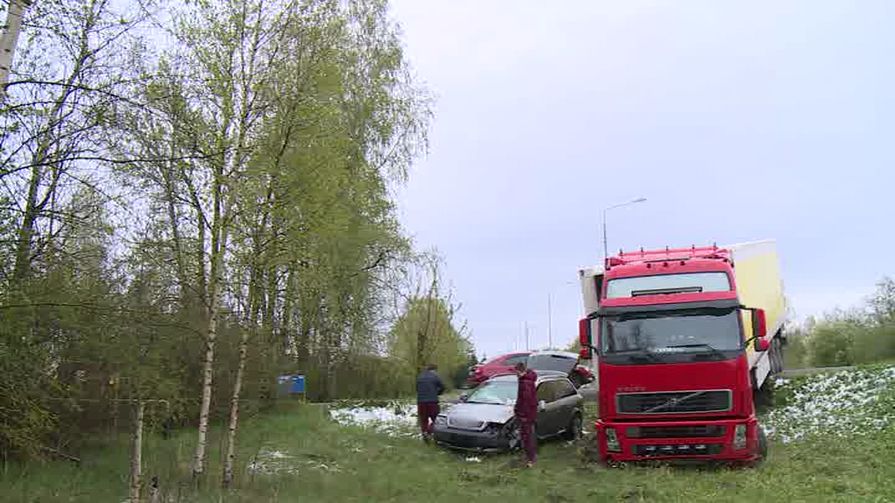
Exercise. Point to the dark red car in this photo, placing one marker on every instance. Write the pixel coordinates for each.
(502, 364)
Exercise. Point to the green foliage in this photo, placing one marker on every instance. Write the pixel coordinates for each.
(795, 355)
(244, 175)
(861, 336)
(425, 334)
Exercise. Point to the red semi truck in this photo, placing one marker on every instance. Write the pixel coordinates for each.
(685, 341)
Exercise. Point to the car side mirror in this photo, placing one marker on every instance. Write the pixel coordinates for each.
(542, 405)
(464, 397)
(762, 344)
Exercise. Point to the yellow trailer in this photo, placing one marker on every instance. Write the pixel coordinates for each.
(756, 270)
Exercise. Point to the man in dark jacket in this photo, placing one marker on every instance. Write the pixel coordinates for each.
(527, 411)
(428, 387)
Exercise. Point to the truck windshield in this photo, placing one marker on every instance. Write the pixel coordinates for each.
(711, 330)
(668, 283)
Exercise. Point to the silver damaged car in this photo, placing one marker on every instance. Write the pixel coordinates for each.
(484, 420)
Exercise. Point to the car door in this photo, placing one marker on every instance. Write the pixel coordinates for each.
(547, 422)
(567, 400)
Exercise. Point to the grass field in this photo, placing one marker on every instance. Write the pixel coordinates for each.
(298, 454)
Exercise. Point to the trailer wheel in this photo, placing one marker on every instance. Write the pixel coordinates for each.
(776, 356)
(780, 344)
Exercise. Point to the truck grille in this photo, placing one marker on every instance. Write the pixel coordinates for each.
(463, 423)
(677, 450)
(674, 431)
(674, 402)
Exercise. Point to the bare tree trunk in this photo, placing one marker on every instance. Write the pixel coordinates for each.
(9, 40)
(137, 455)
(25, 236)
(207, 377)
(215, 277)
(234, 411)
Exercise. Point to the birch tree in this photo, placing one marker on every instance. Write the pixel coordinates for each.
(70, 72)
(216, 83)
(15, 11)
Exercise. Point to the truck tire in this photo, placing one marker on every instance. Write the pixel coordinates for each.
(780, 344)
(772, 356)
(762, 447)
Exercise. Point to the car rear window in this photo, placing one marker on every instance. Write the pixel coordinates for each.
(552, 362)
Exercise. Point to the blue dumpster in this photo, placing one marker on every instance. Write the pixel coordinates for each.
(298, 384)
(291, 384)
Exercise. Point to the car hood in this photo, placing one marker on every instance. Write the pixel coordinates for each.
(489, 413)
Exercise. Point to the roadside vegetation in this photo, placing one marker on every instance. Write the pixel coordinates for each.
(299, 453)
(861, 335)
(196, 198)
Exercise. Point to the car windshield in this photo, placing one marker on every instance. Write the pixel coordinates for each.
(682, 331)
(501, 392)
(559, 363)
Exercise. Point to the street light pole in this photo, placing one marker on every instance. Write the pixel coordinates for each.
(605, 241)
(605, 210)
(550, 312)
(549, 323)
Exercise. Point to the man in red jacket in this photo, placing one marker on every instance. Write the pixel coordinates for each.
(527, 411)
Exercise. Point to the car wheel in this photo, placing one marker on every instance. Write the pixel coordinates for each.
(514, 437)
(573, 430)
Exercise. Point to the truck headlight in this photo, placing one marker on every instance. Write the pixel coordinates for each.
(441, 420)
(739, 437)
(612, 441)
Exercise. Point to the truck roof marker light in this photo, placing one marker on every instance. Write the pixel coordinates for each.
(665, 264)
(683, 262)
(649, 265)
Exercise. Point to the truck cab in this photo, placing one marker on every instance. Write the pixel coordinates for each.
(681, 339)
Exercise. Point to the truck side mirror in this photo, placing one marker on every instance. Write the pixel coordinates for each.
(759, 323)
(762, 344)
(584, 339)
(464, 397)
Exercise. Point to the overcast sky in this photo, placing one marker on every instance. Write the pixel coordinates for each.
(737, 121)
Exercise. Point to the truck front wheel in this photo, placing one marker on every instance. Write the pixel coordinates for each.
(762, 451)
